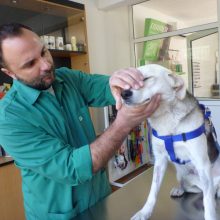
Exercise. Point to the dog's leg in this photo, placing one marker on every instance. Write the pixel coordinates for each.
(188, 181)
(216, 177)
(178, 191)
(158, 174)
(208, 191)
(184, 187)
(217, 191)
(203, 167)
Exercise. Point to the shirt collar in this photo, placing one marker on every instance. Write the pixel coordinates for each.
(30, 94)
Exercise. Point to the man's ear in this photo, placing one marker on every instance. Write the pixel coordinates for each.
(178, 85)
(9, 73)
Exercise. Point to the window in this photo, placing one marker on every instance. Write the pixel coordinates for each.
(176, 34)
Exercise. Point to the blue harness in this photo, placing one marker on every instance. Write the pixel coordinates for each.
(169, 139)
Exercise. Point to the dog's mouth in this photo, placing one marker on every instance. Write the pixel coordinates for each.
(130, 103)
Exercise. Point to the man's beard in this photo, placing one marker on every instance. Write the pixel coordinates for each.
(39, 83)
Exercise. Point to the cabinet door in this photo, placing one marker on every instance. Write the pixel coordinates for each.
(11, 200)
(80, 62)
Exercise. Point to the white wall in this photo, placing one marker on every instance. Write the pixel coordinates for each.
(108, 37)
(108, 44)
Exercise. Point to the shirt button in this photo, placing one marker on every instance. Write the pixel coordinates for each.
(80, 118)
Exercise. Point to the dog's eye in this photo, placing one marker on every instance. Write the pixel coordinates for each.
(145, 79)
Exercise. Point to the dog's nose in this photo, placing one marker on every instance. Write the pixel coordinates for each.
(126, 94)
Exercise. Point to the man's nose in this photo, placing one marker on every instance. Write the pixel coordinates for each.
(126, 94)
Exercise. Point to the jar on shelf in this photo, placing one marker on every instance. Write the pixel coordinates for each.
(51, 42)
(59, 43)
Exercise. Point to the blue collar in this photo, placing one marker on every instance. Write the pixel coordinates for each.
(169, 139)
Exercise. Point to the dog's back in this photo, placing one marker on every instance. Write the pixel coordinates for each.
(192, 104)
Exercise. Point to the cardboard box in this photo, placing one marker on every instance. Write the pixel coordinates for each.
(155, 50)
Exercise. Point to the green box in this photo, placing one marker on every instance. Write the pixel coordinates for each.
(152, 48)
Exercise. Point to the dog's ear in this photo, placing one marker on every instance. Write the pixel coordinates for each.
(178, 85)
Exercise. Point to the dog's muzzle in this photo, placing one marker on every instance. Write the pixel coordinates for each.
(126, 96)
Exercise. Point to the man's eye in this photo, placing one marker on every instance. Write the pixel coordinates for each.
(30, 64)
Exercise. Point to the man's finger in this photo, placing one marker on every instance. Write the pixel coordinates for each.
(127, 78)
(116, 92)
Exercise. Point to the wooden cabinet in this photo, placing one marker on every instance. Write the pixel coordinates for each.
(53, 19)
(11, 200)
(80, 62)
(76, 60)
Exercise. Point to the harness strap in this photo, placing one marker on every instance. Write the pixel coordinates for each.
(206, 111)
(169, 139)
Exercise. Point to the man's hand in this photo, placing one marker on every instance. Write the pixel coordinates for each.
(130, 116)
(104, 147)
(125, 79)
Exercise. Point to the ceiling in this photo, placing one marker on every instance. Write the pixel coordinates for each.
(184, 9)
(180, 9)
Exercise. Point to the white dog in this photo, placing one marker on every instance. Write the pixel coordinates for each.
(179, 136)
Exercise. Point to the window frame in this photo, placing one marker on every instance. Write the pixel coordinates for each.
(188, 30)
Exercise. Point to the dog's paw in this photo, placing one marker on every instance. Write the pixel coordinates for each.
(140, 216)
(176, 192)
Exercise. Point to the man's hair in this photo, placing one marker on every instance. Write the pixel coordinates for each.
(7, 31)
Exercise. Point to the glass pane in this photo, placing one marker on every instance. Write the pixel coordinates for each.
(153, 17)
(205, 65)
(168, 52)
(193, 56)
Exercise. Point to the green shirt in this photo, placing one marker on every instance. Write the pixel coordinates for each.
(48, 136)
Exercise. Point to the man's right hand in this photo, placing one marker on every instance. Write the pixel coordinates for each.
(104, 147)
(130, 116)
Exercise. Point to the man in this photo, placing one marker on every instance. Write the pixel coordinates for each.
(45, 126)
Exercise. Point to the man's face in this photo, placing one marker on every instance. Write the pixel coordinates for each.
(28, 60)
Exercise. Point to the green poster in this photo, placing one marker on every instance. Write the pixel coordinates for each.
(151, 50)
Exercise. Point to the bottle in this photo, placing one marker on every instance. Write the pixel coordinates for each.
(73, 43)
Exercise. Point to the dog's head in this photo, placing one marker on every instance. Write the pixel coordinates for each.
(157, 80)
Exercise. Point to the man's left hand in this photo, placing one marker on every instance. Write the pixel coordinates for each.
(125, 79)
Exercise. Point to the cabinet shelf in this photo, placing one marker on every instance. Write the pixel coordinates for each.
(66, 53)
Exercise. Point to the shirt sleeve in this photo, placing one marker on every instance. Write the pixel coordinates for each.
(49, 156)
(94, 88)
